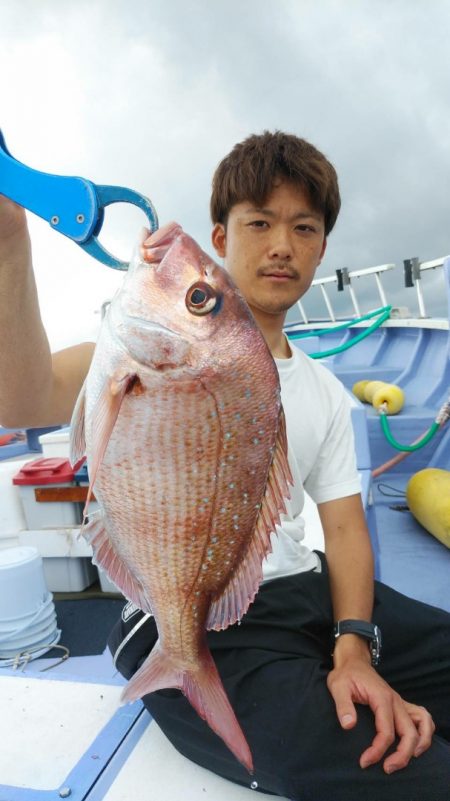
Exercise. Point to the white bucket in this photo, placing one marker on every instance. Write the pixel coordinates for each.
(27, 612)
(13, 656)
(22, 584)
(14, 628)
(25, 643)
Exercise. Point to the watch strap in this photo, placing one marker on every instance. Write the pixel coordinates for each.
(363, 628)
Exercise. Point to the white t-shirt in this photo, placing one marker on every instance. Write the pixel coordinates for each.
(321, 455)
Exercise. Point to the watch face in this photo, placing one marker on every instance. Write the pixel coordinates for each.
(376, 646)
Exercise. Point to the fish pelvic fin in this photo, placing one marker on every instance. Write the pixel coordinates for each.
(203, 689)
(244, 583)
(106, 557)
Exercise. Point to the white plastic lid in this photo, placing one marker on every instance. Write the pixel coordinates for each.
(17, 555)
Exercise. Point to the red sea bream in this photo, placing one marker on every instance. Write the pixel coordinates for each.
(181, 420)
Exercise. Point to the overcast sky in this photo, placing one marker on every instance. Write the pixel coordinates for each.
(151, 94)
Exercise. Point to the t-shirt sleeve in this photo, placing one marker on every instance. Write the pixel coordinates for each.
(334, 474)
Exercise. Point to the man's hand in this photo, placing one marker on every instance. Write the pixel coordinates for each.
(353, 680)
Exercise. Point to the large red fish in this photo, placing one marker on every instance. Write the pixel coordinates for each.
(181, 420)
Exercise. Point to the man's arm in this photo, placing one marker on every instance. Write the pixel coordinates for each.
(36, 389)
(353, 679)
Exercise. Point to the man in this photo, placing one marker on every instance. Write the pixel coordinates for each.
(320, 726)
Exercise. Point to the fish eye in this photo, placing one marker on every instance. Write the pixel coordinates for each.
(200, 298)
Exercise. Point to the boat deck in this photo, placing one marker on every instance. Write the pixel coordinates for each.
(409, 558)
(88, 744)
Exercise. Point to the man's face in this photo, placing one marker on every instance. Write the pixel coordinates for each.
(272, 252)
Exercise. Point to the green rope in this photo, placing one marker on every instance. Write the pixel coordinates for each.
(384, 313)
(409, 448)
(354, 341)
(341, 326)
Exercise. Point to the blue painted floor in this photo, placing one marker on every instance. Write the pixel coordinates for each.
(410, 559)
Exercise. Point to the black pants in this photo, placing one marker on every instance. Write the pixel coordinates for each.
(274, 667)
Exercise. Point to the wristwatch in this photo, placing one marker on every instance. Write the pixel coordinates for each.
(362, 628)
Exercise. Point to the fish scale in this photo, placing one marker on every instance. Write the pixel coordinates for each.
(181, 420)
(168, 507)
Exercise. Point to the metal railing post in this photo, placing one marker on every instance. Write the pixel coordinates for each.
(328, 303)
(302, 311)
(412, 268)
(354, 301)
(380, 289)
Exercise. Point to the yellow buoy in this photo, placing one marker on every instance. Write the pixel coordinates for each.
(371, 388)
(391, 395)
(359, 387)
(428, 496)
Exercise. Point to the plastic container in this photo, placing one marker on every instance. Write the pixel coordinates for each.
(47, 472)
(56, 443)
(69, 574)
(12, 518)
(81, 475)
(27, 613)
(23, 589)
(11, 629)
(66, 557)
(45, 635)
(34, 435)
(106, 584)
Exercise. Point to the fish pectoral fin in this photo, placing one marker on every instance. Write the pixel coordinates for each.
(77, 429)
(106, 557)
(204, 690)
(244, 583)
(104, 416)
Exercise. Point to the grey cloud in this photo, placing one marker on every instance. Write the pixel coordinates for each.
(166, 88)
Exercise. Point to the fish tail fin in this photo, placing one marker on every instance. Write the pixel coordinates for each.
(204, 690)
(156, 673)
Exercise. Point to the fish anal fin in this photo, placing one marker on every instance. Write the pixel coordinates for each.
(204, 690)
(106, 557)
(244, 583)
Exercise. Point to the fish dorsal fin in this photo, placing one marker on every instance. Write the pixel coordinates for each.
(109, 560)
(77, 429)
(104, 416)
(240, 591)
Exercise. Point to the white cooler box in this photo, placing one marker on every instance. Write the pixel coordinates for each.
(53, 523)
(48, 474)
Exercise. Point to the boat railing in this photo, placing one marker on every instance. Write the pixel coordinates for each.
(412, 272)
(343, 278)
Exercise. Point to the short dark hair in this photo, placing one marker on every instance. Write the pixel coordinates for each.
(250, 169)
